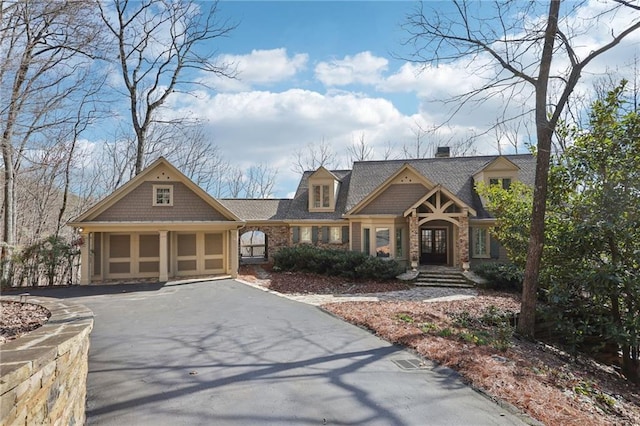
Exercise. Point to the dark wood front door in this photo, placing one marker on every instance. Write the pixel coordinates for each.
(433, 246)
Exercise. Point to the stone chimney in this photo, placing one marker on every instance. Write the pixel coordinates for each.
(443, 152)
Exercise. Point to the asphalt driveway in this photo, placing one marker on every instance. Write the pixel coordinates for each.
(223, 353)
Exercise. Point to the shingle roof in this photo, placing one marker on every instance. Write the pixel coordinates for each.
(299, 207)
(258, 209)
(454, 173)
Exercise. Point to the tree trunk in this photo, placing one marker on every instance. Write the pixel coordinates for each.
(9, 212)
(544, 131)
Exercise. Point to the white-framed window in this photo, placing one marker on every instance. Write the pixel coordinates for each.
(305, 234)
(480, 243)
(504, 182)
(163, 195)
(383, 242)
(321, 196)
(335, 234)
(366, 241)
(399, 243)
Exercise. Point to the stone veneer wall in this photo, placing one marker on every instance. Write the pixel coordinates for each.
(43, 374)
(277, 237)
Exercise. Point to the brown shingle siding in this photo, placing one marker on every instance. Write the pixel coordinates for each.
(137, 205)
(395, 199)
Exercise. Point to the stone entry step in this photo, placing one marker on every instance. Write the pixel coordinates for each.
(443, 279)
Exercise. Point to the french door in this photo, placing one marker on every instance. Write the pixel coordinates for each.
(433, 246)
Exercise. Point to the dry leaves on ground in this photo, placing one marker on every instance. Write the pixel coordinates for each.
(18, 318)
(542, 381)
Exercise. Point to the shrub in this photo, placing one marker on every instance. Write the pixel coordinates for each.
(501, 276)
(347, 264)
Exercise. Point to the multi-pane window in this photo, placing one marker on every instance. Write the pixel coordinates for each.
(399, 242)
(504, 182)
(480, 242)
(321, 196)
(305, 234)
(366, 240)
(383, 242)
(162, 195)
(335, 234)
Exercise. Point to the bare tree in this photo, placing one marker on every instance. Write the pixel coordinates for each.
(359, 150)
(260, 181)
(314, 156)
(235, 183)
(511, 133)
(422, 147)
(160, 43)
(521, 52)
(45, 49)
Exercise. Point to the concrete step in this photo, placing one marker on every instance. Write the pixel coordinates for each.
(443, 279)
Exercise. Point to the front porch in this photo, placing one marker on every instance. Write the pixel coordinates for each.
(439, 230)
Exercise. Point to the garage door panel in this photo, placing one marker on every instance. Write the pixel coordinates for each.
(149, 245)
(119, 246)
(119, 267)
(213, 244)
(187, 245)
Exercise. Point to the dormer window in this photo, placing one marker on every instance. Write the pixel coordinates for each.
(504, 182)
(163, 195)
(321, 196)
(323, 190)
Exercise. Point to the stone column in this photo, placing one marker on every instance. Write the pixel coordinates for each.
(85, 261)
(463, 240)
(233, 253)
(414, 238)
(164, 258)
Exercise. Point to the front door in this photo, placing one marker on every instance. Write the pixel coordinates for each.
(433, 246)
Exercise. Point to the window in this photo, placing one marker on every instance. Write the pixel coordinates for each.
(399, 243)
(321, 196)
(335, 234)
(162, 195)
(366, 241)
(504, 182)
(383, 242)
(480, 242)
(305, 234)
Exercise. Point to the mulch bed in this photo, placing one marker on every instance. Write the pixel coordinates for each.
(18, 318)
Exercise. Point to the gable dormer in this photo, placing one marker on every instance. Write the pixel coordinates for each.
(323, 190)
(500, 171)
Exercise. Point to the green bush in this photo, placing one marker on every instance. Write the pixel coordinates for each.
(501, 276)
(347, 264)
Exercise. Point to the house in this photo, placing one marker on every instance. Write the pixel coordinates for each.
(161, 224)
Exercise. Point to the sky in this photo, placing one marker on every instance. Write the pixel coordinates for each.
(319, 71)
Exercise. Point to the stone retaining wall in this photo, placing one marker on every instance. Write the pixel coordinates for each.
(43, 374)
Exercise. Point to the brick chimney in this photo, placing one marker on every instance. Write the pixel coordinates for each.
(443, 152)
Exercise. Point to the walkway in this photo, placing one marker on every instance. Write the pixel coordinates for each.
(424, 294)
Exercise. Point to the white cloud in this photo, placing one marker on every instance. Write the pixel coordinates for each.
(267, 127)
(260, 67)
(363, 68)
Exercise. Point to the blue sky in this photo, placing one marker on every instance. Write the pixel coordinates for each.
(314, 71)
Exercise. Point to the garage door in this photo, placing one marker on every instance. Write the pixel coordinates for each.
(200, 253)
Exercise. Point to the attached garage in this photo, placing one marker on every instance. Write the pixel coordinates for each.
(158, 225)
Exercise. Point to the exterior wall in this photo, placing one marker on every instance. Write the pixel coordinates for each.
(498, 254)
(356, 236)
(137, 205)
(278, 236)
(160, 255)
(462, 243)
(451, 244)
(44, 373)
(395, 199)
(321, 237)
